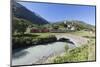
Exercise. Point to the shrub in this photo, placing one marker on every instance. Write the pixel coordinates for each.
(21, 41)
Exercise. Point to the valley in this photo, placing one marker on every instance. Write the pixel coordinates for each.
(35, 40)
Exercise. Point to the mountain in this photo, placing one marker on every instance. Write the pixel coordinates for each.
(78, 24)
(22, 12)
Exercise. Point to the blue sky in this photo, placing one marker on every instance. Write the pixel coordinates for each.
(59, 12)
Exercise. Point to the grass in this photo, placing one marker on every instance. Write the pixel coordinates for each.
(42, 34)
(91, 50)
(82, 53)
(82, 33)
(75, 55)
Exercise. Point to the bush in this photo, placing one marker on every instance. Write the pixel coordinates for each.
(21, 41)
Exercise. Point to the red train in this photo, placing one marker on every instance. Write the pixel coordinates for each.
(39, 30)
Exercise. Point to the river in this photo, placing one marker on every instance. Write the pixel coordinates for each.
(39, 54)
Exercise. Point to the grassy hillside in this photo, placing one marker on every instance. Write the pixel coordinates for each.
(80, 25)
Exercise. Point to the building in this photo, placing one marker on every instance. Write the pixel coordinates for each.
(69, 27)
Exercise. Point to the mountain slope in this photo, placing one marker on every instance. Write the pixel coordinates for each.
(20, 11)
(79, 24)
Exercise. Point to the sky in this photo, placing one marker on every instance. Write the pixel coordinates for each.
(59, 12)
